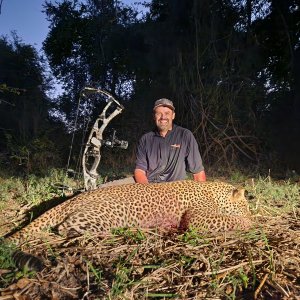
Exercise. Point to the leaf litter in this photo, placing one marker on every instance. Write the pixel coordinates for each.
(263, 263)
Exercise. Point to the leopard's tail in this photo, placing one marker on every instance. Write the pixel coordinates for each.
(28, 261)
(22, 236)
(22, 259)
(37, 228)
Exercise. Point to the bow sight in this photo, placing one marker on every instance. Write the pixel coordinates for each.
(113, 141)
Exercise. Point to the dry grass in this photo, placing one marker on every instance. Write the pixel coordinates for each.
(263, 263)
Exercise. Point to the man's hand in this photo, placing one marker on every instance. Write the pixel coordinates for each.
(200, 176)
(140, 176)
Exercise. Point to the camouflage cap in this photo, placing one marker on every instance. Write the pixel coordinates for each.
(164, 102)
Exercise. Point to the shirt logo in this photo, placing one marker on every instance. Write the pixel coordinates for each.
(176, 145)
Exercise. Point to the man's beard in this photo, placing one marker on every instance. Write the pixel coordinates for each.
(163, 127)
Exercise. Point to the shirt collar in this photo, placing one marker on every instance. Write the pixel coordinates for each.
(156, 133)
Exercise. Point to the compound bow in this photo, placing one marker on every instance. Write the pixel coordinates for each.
(95, 139)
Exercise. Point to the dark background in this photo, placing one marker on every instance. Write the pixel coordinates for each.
(231, 68)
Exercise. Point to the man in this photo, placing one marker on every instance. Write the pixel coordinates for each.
(166, 153)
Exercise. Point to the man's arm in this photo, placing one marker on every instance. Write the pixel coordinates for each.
(194, 160)
(141, 162)
(140, 176)
(201, 176)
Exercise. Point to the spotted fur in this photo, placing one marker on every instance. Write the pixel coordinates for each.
(213, 206)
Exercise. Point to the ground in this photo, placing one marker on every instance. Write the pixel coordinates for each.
(129, 264)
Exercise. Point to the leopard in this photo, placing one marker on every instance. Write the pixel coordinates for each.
(178, 205)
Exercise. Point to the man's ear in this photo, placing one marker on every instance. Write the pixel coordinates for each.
(173, 117)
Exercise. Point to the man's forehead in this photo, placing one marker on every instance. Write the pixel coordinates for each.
(163, 109)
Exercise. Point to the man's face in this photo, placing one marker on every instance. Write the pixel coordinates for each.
(163, 117)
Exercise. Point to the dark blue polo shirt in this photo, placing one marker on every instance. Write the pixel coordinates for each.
(168, 158)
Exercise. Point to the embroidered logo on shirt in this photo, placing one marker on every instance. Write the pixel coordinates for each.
(176, 145)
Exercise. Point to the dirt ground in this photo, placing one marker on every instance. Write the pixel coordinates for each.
(263, 263)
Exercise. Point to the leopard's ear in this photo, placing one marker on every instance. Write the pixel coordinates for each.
(237, 193)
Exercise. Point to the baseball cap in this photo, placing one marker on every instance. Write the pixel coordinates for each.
(164, 102)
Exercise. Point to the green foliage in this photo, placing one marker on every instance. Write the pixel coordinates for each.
(130, 234)
(274, 198)
(33, 189)
(123, 275)
(227, 265)
(6, 251)
(38, 189)
(231, 69)
(26, 104)
(237, 176)
(26, 144)
(226, 84)
(9, 272)
(236, 283)
(11, 188)
(5, 88)
(34, 155)
(96, 272)
(122, 280)
(216, 264)
(187, 261)
(193, 238)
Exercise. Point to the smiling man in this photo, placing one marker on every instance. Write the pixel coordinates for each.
(169, 151)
